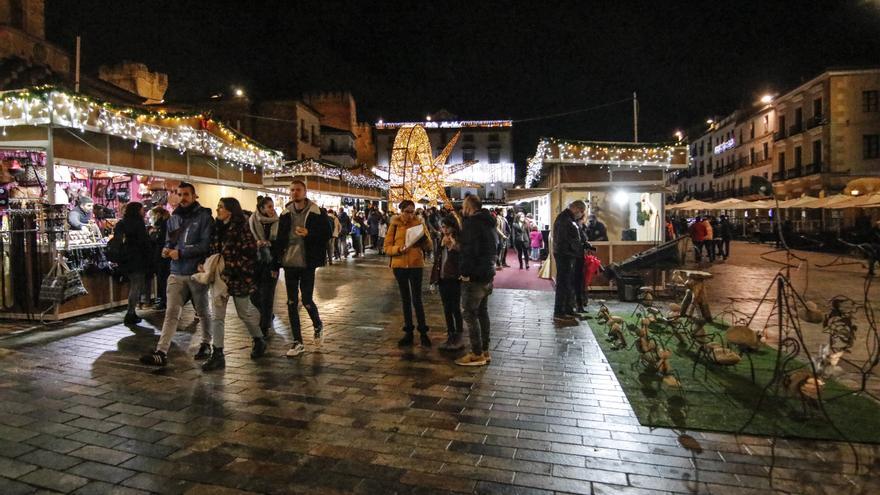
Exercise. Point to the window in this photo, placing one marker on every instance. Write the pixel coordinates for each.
(752, 130)
(494, 155)
(740, 136)
(798, 117)
(752, 157)
(781, 127)
(870, 101)
(782, 162)
(494, 137)
(817, 108)
(871, 146)
(798, 156)
(817, 151)
(766, 124)
(766, 151)
(467, 154)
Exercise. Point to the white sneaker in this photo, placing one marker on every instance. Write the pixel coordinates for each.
(296, 349)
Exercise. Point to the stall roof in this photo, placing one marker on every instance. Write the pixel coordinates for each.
(802, 202)
(514, 195)
(358, 177)
(827, 201)
(605, 153)
(864, 201)
(47, 105)
(693, 204)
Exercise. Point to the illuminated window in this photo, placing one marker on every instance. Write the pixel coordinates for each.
(494, 155)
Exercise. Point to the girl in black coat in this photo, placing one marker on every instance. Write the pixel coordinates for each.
(135, 255)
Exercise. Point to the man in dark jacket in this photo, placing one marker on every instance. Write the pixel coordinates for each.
(478, 250)
(567, 246)
(301, 247)
(187, 245)
(344, 231)
(726, 234)
(373, 223)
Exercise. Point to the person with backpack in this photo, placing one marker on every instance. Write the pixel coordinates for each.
(187, 245)
(301, 248)
(233, 241)
(130, 250)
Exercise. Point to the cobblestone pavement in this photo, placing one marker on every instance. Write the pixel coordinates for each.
(82, 415)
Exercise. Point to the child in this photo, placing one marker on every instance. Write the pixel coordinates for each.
(536, 241)
(446, 275)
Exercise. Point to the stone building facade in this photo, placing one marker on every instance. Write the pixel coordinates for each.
(812, 139)
(23, 35)
(136, 78)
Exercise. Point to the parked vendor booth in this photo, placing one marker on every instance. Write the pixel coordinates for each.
(58, 148)
(621, 183)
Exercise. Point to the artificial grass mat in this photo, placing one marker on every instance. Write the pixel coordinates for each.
(724, 398)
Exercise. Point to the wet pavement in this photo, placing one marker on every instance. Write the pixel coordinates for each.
(80, 414)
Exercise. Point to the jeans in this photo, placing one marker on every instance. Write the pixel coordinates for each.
(501, 259)
(264, 297)
(522, 253)
(331, 248)
(343, 245)
(356, 244)
(564, 287)
(137, 285)
(300, 280)
(577, 282)
(536, 254)
(724, 247)
(475, 310)
(181, 288)
(374, 240)
(245, 310)
(409, 280)
(450, 296)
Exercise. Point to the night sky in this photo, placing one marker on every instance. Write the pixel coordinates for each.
(482, 59)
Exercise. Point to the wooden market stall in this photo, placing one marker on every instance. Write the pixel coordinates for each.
(622, 184)
(65, 146)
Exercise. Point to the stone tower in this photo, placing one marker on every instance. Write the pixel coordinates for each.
(136, 78)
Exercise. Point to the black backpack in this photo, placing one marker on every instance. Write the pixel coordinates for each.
(116, 249)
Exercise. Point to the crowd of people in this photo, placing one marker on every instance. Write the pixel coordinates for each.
(708, 233)
(206, 259)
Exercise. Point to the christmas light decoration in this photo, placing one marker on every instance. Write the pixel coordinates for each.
(415, 173)
(314, 168)
(446, 124)
(47, 105)
(604, 154)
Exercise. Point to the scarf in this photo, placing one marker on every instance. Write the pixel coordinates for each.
(257, 221)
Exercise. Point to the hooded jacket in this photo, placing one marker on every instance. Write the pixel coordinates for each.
(478, 240)
(315, 243)
(136, 245)
(189, 232)
(395, 239)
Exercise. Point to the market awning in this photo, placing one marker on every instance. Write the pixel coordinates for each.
(801, 202)
(828, 201)
(865, 201)
(728, 204)
(693, 204)
(514, 195)
(762, 204)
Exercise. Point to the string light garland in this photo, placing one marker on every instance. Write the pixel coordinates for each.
(604, 154)
(315, 168)
(48, 105)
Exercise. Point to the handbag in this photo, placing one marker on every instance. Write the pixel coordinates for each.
(52, 286)
(109, 193)
(32, 176)
(123, 195)
(73, 285)
(26, 193)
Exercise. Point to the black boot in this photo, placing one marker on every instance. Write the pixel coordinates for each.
(204, 352)
(407, 339)
(216, 361)
(131, 319)
(424, 339)
(259, 348)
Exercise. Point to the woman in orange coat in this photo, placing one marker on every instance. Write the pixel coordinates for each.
(407, 263)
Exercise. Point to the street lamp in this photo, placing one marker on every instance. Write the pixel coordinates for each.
(679, 135)
(239, 92)
(766, 99)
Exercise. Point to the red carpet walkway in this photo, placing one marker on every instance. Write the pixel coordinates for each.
(514, 278)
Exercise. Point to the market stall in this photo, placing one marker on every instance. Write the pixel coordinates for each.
(622, 184)
(60, 150)
(331, 186)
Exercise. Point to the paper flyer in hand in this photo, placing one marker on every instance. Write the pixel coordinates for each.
(413, 235)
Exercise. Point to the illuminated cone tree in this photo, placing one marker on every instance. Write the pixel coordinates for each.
(414, 172)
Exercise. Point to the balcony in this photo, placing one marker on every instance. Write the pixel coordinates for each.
(742, 162)
(779, 135)
(795, 129)
(777, 176)
(816, 121)
(816, 168)
(794, 172)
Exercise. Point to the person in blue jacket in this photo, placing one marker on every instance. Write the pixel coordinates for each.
(187, 244)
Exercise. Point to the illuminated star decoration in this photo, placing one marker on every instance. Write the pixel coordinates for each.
(414, 172)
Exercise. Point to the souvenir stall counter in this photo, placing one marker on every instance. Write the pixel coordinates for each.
(58, 148)
(622, 185)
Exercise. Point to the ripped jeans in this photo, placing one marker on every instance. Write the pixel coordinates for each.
(300, 280)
